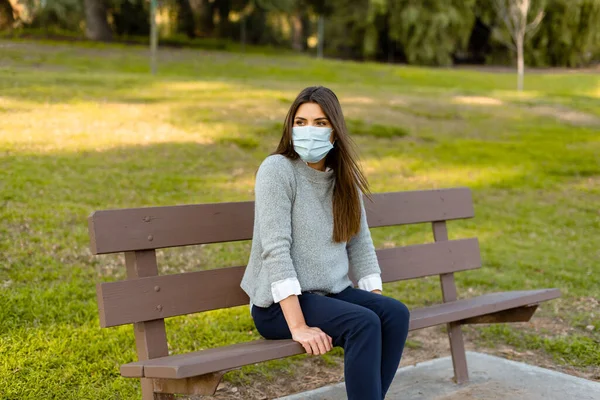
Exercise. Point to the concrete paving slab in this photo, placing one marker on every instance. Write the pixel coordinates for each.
(491, 378)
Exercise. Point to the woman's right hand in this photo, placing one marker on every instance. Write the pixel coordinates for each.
(314, 340)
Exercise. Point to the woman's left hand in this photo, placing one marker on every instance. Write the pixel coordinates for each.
(377, 291)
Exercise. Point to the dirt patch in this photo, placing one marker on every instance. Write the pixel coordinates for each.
(359, 100)
(561, 113)
(477, 100)
(566, 115)
(310, 374)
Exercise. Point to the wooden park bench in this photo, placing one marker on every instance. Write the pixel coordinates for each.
(146, 297)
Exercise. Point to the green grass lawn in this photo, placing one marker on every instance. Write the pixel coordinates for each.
(86, 128)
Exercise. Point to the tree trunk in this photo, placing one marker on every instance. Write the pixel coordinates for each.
(207, 22)
(297, 34)
(185, 19)
(255, 25)
(97, 27)
(321, 36)
(7, 18)
(243, 33)
(520, 63)
(223, 7)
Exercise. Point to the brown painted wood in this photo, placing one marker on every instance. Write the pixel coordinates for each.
(158, 227)
(237, 355)
(491, 303)
(417, 261)
(414, 207)
(132, 370)
(521, 314)
(150, 337)
(457, 345)
(165, 296)
(113, 231)
(221, 358)
(205, 385)
(179, 294)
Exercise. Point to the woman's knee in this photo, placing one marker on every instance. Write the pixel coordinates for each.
(366, 320)
(402, 311)
(399, 314)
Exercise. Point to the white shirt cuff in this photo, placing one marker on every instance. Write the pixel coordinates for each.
(285, 288)
(370, 283)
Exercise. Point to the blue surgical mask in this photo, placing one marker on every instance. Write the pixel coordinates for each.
(311, 143)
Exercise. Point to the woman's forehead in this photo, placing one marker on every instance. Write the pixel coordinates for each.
(310, 111)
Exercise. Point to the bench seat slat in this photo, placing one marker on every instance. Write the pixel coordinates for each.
(212, 360)
(150, 298)
(132, 229)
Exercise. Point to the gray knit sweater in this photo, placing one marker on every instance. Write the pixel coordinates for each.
(293, 235)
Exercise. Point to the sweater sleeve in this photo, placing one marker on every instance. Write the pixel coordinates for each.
(364, 266)
(274, 191)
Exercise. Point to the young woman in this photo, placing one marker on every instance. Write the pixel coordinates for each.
(310, 233)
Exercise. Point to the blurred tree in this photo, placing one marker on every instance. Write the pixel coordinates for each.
(346, 28)
(323, 9)
(223, 9)
(242, 8)
(259, 21)
(66, 15)
(204, 11)
(131, 17)
(256, 24)
(480, 43)
(7, 18)
(300, 24)
(185, 19)
(431, 32)
(515, 13)
(569, 36)
(96, 23)
(376, 10)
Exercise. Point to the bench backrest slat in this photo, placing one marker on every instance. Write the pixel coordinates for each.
(165, 296)
(113, 231)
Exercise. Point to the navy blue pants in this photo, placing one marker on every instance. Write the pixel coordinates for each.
(370, 327)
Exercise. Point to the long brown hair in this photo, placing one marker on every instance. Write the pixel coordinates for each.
(342, 159)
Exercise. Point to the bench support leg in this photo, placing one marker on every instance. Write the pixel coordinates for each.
(457, 349)
(148, 392)
(457, 345)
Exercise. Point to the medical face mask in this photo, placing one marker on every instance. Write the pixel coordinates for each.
(311, 143)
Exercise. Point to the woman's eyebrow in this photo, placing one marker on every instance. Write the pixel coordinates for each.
(316, 119)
